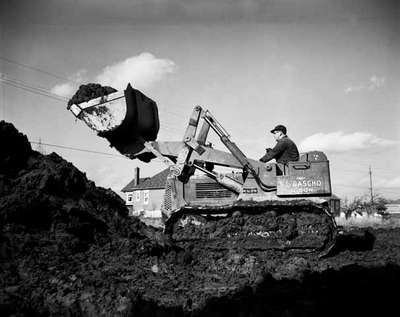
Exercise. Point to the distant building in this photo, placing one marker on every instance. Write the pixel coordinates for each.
(393, 209)
(334, 204)
(144, 196)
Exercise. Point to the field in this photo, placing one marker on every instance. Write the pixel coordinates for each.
(69, 248)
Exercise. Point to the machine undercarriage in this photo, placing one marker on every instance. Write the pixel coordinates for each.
(285, 227)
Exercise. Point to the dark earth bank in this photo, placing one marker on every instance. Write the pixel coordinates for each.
(69, 248)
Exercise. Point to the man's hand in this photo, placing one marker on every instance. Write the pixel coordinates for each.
(266, 152)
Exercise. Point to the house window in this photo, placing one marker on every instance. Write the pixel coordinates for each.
(129, 197)
(137, 195)
(146, 196)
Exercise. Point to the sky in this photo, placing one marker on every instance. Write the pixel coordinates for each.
(328, 70)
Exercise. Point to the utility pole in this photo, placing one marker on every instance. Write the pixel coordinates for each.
(370, 185)
(3, 85)
(3, 97)
(40, 148)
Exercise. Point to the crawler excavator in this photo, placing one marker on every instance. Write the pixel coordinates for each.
(260, 206)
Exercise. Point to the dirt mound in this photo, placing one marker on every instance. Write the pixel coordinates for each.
(90, 91)
(15, 149)
(50, 215)
(68, 248)
(39, 192)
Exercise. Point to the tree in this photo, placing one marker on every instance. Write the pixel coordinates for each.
(363, 205)
(380, 204)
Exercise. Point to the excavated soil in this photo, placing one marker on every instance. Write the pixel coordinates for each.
(90, 91)
(68, 248)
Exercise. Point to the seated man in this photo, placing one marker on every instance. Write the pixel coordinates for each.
(284, 151)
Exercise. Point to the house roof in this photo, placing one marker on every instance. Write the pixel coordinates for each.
(155, 182)
(333, 196)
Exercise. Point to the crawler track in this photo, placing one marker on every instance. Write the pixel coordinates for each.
(304, 227)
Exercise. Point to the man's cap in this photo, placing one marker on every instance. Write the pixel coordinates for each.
(279, 127)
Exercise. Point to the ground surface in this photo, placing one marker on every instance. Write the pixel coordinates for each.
(68, 248)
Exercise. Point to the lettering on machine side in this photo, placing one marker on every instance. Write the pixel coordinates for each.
(307, 183)
(301, 185)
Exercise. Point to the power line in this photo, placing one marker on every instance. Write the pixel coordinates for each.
(25, 84)
(350, 186)
(6, 77)
(172, 113)
(122, 156)
(172, 130)
(40, 147)
(389, 192)
(32, 68)
(363, 164)
(77, 149)
(32, 90)
(379, 188)
(172, 133)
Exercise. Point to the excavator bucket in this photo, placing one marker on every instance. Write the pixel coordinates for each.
(126, 119)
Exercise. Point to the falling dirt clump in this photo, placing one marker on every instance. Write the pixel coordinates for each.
(90, 91)
(69, 248)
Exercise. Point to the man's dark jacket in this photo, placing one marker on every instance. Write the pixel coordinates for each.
(284, 151)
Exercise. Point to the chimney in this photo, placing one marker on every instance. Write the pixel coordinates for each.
(136, 179)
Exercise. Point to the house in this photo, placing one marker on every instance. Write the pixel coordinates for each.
(144, 196)
(393, 209)
(334, 204)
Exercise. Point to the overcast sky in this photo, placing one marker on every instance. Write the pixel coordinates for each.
(328, 70)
